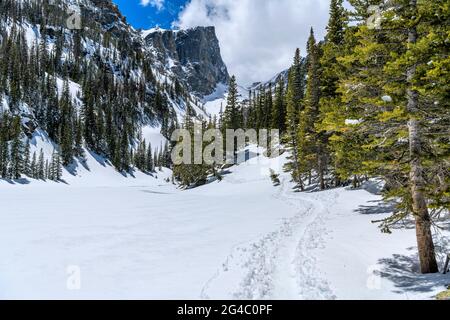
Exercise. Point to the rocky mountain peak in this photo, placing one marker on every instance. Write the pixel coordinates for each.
(193, 55)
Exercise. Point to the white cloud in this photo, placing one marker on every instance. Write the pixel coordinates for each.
(158, 4)
(258, 37)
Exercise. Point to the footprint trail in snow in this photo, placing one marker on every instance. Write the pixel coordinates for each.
(279, 265)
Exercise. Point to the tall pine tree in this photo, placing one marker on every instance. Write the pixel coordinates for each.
(294, 106)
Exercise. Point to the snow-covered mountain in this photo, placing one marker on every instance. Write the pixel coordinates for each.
(190, 58)
(283, 75)
(120, 81)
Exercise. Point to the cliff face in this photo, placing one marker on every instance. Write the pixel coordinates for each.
(193, 55)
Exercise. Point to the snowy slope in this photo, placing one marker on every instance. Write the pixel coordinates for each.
(240, 238)
(103, 54)
(96, 170)
(214, 107)
(153, 135)
(217, 101)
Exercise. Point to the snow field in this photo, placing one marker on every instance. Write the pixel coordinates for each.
(141, 237)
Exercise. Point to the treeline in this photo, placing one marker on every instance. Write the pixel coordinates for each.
(16, 159)
(118, 91)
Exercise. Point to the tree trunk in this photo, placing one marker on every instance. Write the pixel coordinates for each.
(320, 167)
(338, 182)
(296, 166)
(321, 173)
(425, 243)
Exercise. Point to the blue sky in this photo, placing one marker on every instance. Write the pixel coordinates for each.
(149, 16)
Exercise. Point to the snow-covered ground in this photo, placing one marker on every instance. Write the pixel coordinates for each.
(103, 235)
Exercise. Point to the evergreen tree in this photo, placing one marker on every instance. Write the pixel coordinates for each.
(150, 166)
(409, 63)
(260, 109)
(268, 107)
(41, 166)
(232, 115)
(56, 167)
(140, 157)
(340, 41)
(279, 108)
(78, 143)
(166, 156)
(67, 138)
(124, 152)
(26, 166)
(48, 171)
(388, 68)
(336, 23)
(155, 159)
(16, 150)
(4, 147)
(89, 117)
(33, 166)
(432, 83)
(52, 113)
(250, 121)
(311, 145)
(294, 106)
